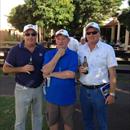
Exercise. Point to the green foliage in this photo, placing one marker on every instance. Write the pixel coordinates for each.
(89, 10)
(21, 15)
(1, 72)
(69, 14)
(54, 14)
(124, 18)
(7, 114)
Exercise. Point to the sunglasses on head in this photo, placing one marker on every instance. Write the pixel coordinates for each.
(93, 33)
(30, 34)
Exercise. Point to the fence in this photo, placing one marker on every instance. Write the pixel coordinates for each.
(123, 59)
(3, 54)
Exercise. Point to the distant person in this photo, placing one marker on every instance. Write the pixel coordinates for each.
(73, 44)
(60, 66)
(103, 39)
(25, 60)
(82, 41)
(118, 43)
(98, 82)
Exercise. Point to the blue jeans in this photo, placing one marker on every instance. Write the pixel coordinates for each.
(93, 107)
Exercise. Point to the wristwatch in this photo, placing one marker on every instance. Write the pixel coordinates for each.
(112, 94)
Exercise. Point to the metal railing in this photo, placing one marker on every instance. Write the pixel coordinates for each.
(123, 59)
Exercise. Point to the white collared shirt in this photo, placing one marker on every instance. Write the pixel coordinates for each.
(99, 60)
(73, 44)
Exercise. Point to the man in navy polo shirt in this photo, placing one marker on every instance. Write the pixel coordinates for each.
(25, 60)
(60, 92)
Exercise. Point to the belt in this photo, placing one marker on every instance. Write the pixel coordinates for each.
(93, 86)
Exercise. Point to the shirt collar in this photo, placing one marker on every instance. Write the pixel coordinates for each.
(21, 45)
(98, 45)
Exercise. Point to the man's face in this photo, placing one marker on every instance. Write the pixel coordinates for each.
(61, 41)
(82, 41)
(92, 35)
(30, 37)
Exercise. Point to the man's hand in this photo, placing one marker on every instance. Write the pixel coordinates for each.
(110, 99)
(49, 67)
(45, 76)
(82, 69)
(28, 68)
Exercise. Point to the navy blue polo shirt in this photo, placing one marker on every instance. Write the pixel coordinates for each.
(19, 56)
(62, 91)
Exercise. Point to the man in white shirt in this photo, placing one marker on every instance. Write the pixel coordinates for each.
(73, 44)
(82, 41)
(101, 72)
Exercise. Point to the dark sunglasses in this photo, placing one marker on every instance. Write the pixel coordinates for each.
(93, 33)
(30, 34)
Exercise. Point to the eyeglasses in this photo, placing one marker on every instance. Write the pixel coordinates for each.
(30, 34)
(93, 33)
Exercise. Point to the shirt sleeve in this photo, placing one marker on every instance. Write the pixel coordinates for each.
(47, 57)
(76, 44)
(74, 63)
(11, 57)
(111, 58)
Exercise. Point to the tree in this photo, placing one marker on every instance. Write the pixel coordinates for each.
(69, 14)
(124, 17)
(54, 14)
(21, 15)
(89, 10)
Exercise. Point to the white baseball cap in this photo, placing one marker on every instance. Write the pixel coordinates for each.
(30, 26)
(62, 32)
(82, 38)
(94, 25)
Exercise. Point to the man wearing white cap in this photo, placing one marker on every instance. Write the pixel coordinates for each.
(60, 67)
(25, 60)
(73, 44)
(99, 84)
(82, 41)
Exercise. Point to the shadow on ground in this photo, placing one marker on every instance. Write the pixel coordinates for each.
(118, 113)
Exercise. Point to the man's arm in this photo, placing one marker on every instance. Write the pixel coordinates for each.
(23, 69)
(113, 84)
(113, 81)
(63, 75)
(49, 67)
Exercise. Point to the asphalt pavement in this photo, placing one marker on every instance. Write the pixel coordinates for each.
(118, 113)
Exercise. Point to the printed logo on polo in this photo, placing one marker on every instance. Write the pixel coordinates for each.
(40, 54)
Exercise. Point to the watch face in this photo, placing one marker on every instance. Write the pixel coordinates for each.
(112, 94)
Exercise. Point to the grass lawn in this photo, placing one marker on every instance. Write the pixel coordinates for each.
(7, 114)
(1, 71)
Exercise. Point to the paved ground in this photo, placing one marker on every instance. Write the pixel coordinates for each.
(119, 113)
